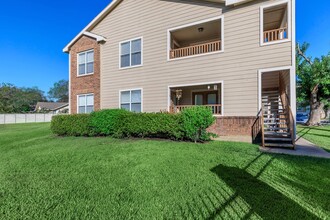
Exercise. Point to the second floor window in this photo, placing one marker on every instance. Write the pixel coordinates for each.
(131, 53)
(86, 63)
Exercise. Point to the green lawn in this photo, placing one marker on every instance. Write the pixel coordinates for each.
(317, 135)
(47, 177)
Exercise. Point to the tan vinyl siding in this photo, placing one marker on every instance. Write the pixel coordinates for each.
(237, 67)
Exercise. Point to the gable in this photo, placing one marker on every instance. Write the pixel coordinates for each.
(115, 3)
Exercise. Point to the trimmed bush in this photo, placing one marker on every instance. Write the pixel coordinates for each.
(190, 124)
(195, 121)
(152, 125)
(107, 122)
(71, 125)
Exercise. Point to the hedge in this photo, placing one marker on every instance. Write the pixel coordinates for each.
(189, 125)
(71, 125)
(107, 122)
(152, 125)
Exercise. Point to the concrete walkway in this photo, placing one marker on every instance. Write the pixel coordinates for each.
(303, 148)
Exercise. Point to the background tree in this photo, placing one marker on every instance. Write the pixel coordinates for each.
(313, 82)
(19, 100)
(60, 91)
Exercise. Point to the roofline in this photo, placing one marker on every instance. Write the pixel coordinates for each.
(110, 7)
(60, 107)
(98, 18)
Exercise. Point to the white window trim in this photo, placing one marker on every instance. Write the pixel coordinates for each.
(262, 8)
(198, 84)
(130, 90)
(221, 18)
(130, 40)
(87, 94)
(85, 52)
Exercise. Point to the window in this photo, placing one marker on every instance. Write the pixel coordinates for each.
(275, 23)
(131, 53)
(131, 100)
(85, 103)
(86, 63)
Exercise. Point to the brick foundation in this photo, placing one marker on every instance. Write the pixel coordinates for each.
(85, 84)
(233, 125)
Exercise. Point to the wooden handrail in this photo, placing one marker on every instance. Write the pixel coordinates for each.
(257, 128)
(216, 108)
(195, 49)
(275, 34)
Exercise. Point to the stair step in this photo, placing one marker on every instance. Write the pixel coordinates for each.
(278, 145)
(275, 123)
(273, 109)
(284, 139)
(275, 129)
(273, 133)
(270, 91)
(275, 114)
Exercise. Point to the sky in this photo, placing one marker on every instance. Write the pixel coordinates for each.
(33, 34)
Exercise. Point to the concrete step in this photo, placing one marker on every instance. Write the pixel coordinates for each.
(280, 145)
(278, 139)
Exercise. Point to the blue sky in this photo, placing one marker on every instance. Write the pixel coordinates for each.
(33, 34)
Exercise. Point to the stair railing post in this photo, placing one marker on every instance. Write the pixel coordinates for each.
(262, 127)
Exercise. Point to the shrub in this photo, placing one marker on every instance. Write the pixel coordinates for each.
(153, 125)
(107, 122)
(195, 121)
(71, 125)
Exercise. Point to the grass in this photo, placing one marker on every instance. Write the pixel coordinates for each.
(317, 135)
(47, 177)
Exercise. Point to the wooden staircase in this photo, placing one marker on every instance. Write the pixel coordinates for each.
(276, 123)
(274, 126)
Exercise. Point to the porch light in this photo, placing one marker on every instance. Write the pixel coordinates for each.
(178, 94)
(208, 87)
(200, 30)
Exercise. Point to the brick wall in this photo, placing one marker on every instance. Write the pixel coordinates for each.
(89, 83)
(231, 126)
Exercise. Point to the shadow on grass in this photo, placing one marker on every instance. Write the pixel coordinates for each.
(264, 200)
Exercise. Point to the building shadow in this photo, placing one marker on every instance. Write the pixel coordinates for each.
(264, 200)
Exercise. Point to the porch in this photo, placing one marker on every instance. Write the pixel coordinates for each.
(208, 95)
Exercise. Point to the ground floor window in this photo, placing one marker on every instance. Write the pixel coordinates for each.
(85, 103)
(131, 100)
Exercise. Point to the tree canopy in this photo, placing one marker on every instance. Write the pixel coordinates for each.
(313, 82)
(19, 100)
(60, 91)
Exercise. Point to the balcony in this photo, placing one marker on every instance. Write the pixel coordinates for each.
(204, 37)
(196, 49)
(276, 34)
(275, 23)
(216, 108)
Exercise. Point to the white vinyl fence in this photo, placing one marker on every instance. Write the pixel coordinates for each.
(24, 118)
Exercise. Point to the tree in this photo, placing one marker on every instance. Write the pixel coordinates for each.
(60, 91)
(19, 100)
(313, 82)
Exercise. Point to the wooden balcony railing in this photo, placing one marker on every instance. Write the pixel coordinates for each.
(276, 34)
(195, 50)
(216, 109)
